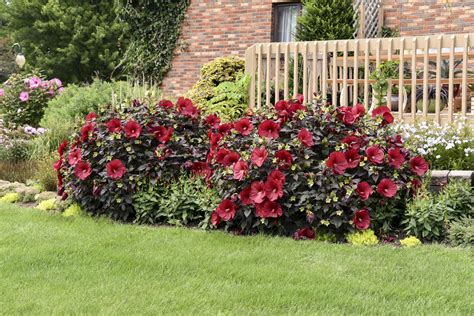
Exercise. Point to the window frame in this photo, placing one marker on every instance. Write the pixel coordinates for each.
(280, 4)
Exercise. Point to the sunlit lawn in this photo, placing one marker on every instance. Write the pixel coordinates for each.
(51, 264)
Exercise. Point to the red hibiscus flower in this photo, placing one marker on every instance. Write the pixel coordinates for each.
(284, 159)
(258, 156)
(346, 115)
(91, 116)
(186, 107)
(418, 165)
(62, 147)
(353, 141)
(244, 126)
(163, 134)
(283, 108)
(415, 185)
(225, 128)
(213, 120)
(114, 125)
(132, 129)
(215, 219)
(304, 233)
(257, 192)
(115, 169)
(83, 170)
(361, 219)
(374, 154)
(277, 175)
(296, 106)
(231, 158)
(384, 112)
(221, 154)
(300, 98)
(269, 129)
(58, 164)
(74, 156)
(396, 158)
(226, 210)
(305, 138)
(240, 170)
(273, 189)
(358, 110)
(245, 196)
(268, 209)
(387, 188)
(167, 104)
(86, 129)
(364, 190)
(337, 162)
(214, 139)
(396, 140)
(201, 169)
(352, 157)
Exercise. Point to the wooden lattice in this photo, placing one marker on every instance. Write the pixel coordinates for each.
(367, 18)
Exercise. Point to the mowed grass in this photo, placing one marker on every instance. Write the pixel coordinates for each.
(55, 265)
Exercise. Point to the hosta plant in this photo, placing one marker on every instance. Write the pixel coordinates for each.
(117, 152)
(300, 168)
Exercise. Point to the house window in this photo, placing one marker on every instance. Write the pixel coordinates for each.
(284, 21)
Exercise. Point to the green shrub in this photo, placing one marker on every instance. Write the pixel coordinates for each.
(326, 20)
(461, 232)
(188, 200)
(47, 205)
(45, 174)
(230, 101)
(410, 241)
(215, 72)
(429, 215)
(17, 171)
(366, 237)
(72, 210)
(10, 198)
(64, 113)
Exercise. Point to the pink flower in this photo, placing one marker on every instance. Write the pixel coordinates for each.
(374, 154)
(352, 157)
(240, 170)
(244, 196)
(257, 192)
(34, 83)
(2, 92)
(115, 169)
(215, 219)
(226, 210)
(83, 170)
(24, 96)
(305, 138)
(258, 156)
(352, 141)
(114, 125)
(213, 120)
(284, 159)
(132, 129)
(74, 156)
(277, 175)
(273, 189)
(384, 112)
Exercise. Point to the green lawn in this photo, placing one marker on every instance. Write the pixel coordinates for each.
(51, 264)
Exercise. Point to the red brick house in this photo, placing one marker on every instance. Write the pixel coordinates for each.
(214, 28)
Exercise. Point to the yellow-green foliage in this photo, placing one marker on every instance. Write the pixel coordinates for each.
(73, 210)
(365, 237)
(10, 198)
(47, 205)
(223, 69)
(411, 241)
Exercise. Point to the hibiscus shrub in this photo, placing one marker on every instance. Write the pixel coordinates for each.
(117, 153)
(300, 169)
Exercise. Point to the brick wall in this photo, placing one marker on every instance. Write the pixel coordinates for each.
(214, 28)
(420, 17)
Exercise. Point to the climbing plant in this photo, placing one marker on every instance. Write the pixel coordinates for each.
(154, 28)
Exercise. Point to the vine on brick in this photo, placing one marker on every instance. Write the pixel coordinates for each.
(154, 27)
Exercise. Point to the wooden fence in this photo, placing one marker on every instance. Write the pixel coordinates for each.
(434, 74)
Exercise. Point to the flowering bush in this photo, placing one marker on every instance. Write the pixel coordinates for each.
(446, 147)
(297, 168)
(115, 153)
(23, 98)
(410, 241)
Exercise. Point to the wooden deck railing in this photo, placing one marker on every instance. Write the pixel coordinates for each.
(434, 77)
